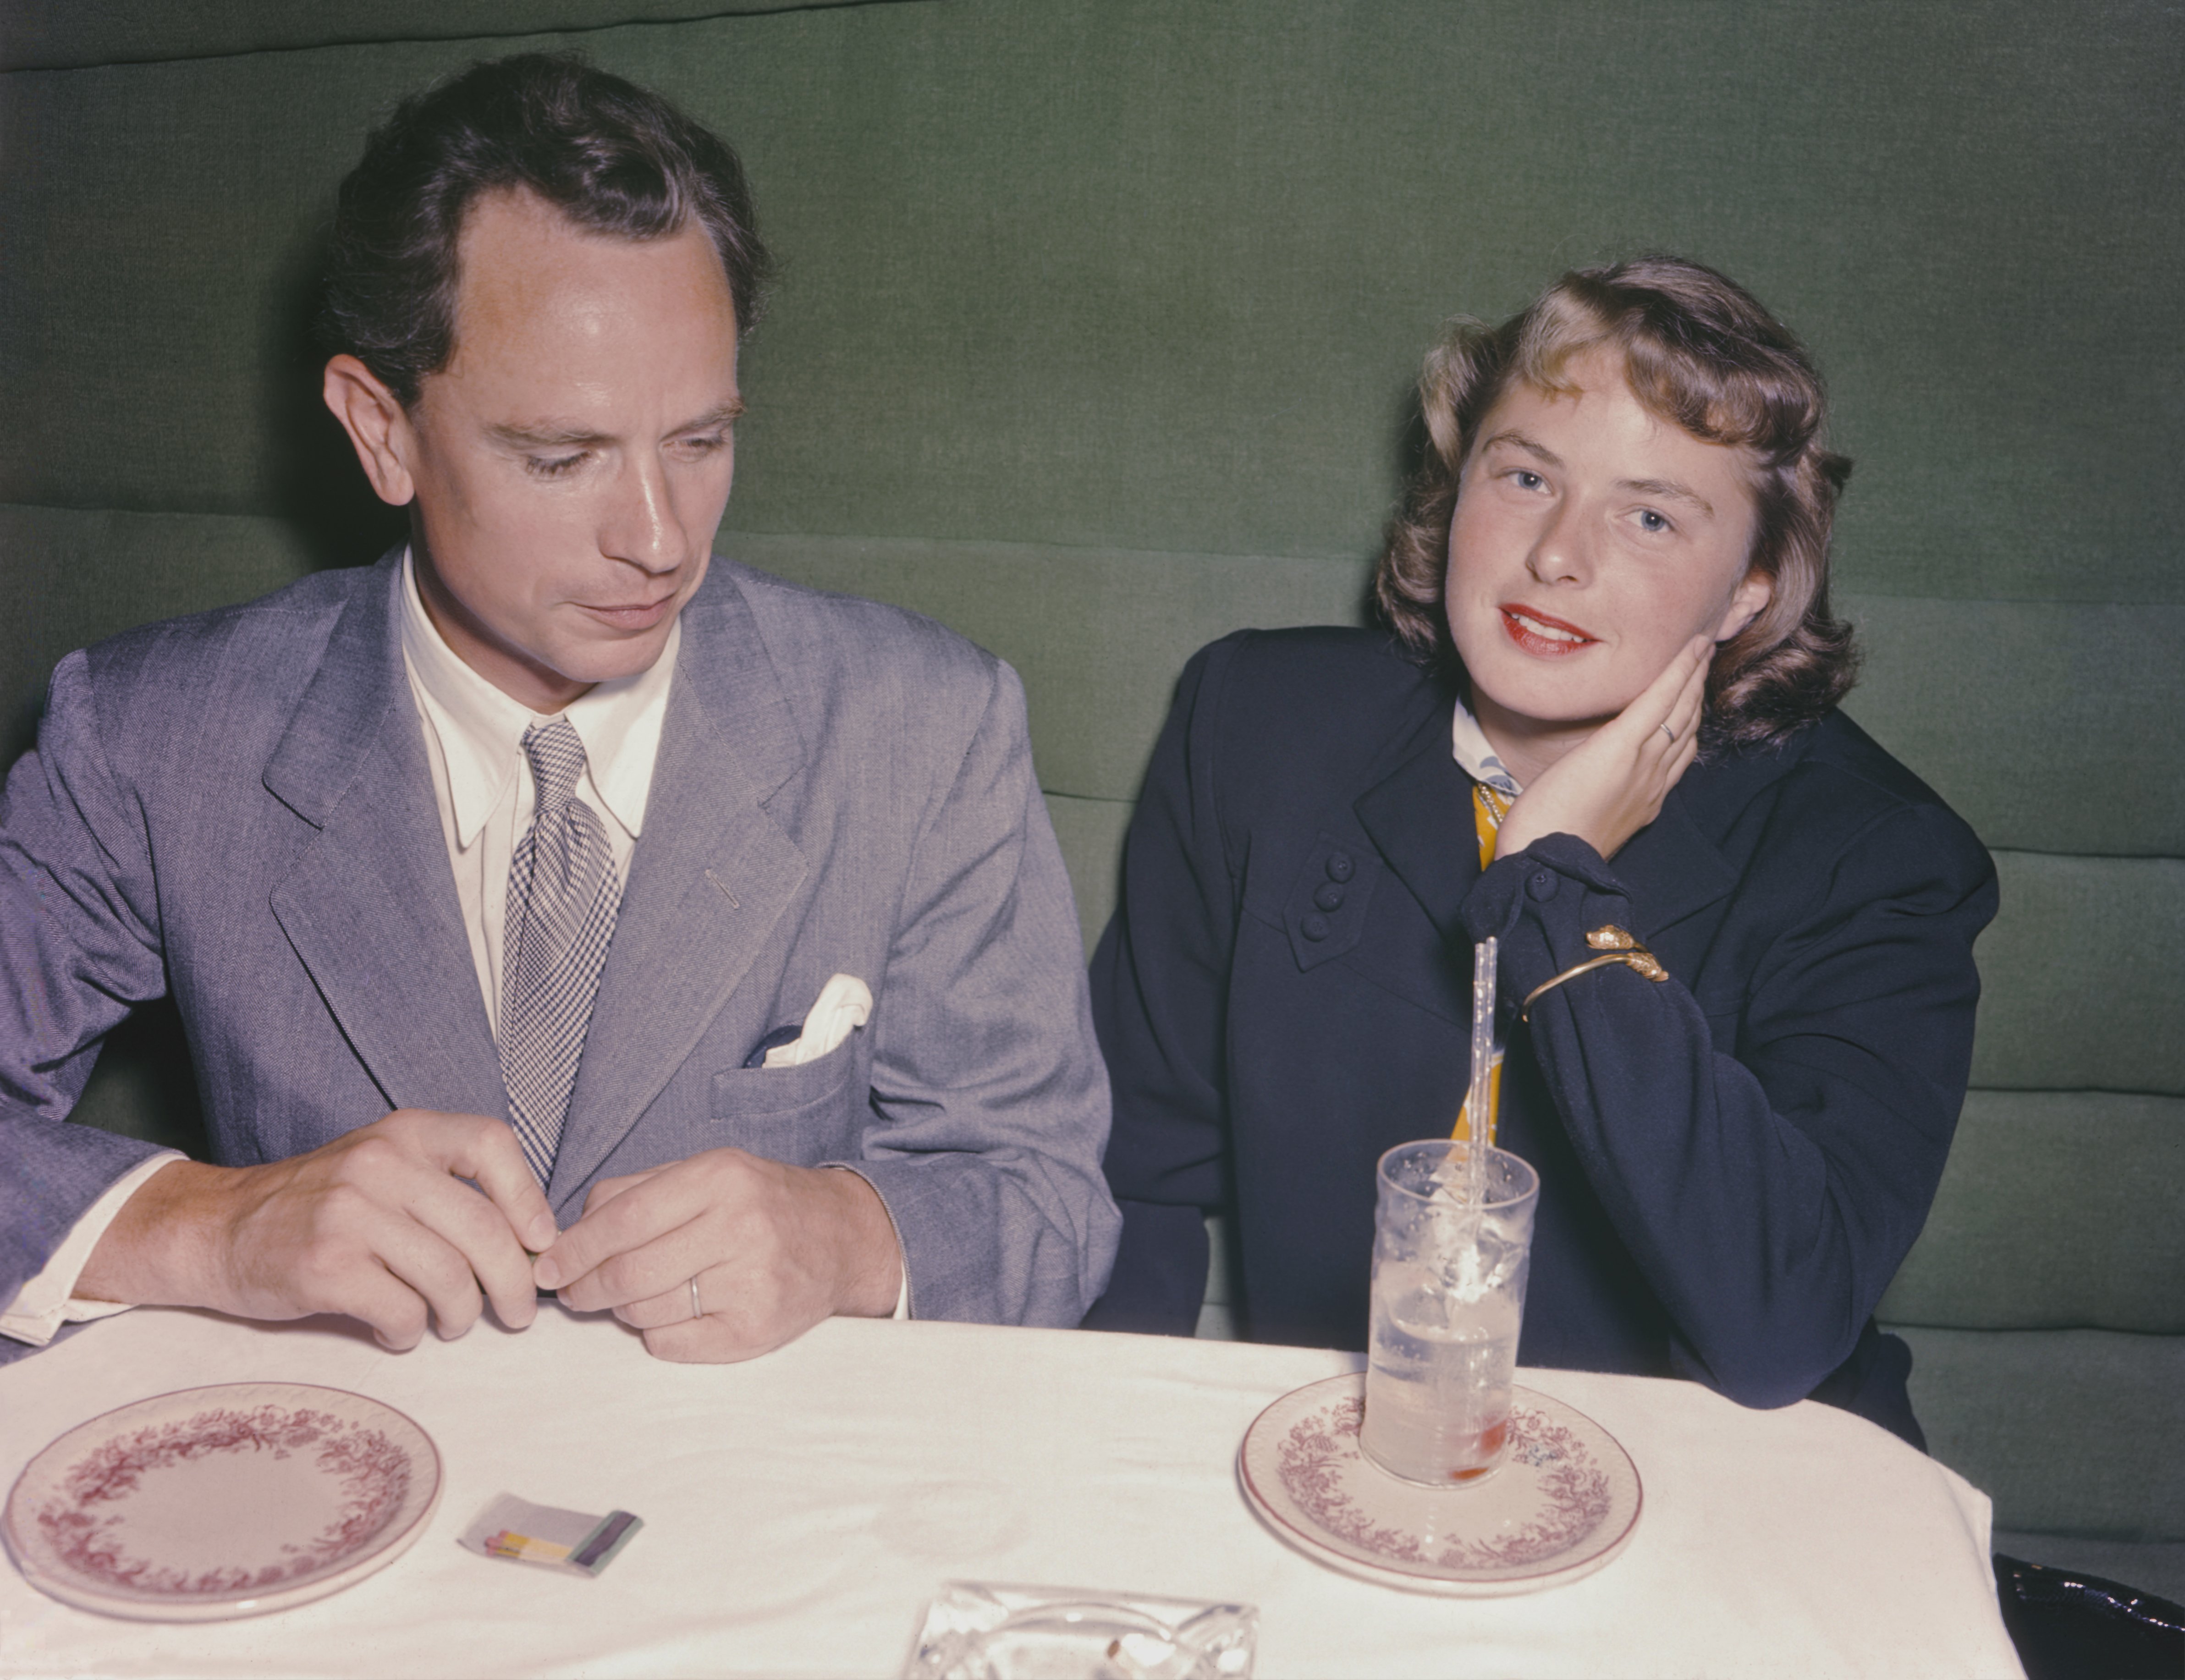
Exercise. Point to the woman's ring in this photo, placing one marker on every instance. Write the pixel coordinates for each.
(1671, 733)
(696, 1311)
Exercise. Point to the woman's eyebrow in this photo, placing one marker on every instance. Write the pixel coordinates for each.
(1511, 434)
(1668, 490)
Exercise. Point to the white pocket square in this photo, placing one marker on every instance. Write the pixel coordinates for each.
(845, 1002)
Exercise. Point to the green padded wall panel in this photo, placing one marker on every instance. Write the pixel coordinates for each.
(165, 227)
(2070, 1431)
(1155, 275)
(62, 34)
(2058, 1210)
(2000, 704)
(1099, 635)
(2081, 975)
(68, 577)
(1090, 834)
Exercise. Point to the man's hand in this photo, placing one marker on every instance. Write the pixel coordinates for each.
(775, 1249)
(376, 1224)
(1611, 785)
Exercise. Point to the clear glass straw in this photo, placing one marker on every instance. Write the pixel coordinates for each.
(1482, 1067)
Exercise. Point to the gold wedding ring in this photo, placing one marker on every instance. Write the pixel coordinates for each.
(1671, 733)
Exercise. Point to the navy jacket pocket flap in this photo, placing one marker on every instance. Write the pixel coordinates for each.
(1325, 913)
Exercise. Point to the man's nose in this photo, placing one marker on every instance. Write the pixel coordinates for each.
(641, 523)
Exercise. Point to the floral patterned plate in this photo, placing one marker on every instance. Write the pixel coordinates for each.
(1564, 1501)
(213, 1503)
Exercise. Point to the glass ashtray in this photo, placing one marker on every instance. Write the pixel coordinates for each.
(977, 1630)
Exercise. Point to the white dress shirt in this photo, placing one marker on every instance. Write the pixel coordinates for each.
(1475, 754)
(482, 780)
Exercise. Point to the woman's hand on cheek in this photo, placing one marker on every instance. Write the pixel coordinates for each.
(1611, 785)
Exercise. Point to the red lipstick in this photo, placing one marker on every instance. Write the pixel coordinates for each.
(1525, 626)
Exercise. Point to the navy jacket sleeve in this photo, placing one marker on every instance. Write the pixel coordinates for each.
(1768, 1195)
(1160, 1015)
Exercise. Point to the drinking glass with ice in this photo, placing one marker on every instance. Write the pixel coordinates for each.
(1449, 1298)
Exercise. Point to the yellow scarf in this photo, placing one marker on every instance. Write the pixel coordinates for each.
(1488, 808)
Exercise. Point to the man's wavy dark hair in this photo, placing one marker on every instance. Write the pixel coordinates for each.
(1700, 353)
(611, 157)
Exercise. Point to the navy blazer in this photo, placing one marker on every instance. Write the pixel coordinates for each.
(1733, 1163)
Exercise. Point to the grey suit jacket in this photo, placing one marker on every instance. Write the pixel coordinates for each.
(236, 807)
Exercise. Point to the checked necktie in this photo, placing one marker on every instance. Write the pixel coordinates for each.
(562, 893)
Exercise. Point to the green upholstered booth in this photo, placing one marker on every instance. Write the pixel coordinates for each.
(1094, 340)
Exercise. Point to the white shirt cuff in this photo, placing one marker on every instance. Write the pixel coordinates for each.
(48, 1302)
(902, 1260)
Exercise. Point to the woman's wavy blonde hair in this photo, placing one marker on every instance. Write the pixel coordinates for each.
(1700, 352)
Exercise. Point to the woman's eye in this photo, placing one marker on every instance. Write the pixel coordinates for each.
(705, 445)
(1526, 479)
(551, 465)
(1649, 520)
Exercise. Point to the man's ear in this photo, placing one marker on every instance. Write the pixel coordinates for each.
(1746, 602)
(375, 425)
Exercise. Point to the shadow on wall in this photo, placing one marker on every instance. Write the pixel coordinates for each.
(144, 1085)
(318, 489)
(314, 509)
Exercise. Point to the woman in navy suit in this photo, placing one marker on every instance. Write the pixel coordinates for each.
(1601, 715)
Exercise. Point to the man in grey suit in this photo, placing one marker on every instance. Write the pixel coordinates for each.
(711, 928)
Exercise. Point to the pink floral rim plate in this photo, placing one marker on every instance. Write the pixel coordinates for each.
(213, 1503)
(1564, 1501)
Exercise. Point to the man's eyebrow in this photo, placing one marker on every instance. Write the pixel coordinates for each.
(1668, 489)
(545, 434)
(551, 434)
(721, 414)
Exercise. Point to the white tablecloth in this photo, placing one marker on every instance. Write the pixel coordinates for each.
(801, 1509)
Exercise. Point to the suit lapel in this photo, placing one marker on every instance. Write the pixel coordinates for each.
(1418, 817)
(711, 876)
(369, 905)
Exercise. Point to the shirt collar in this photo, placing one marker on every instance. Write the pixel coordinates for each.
(480, 730)
(1475, 756)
